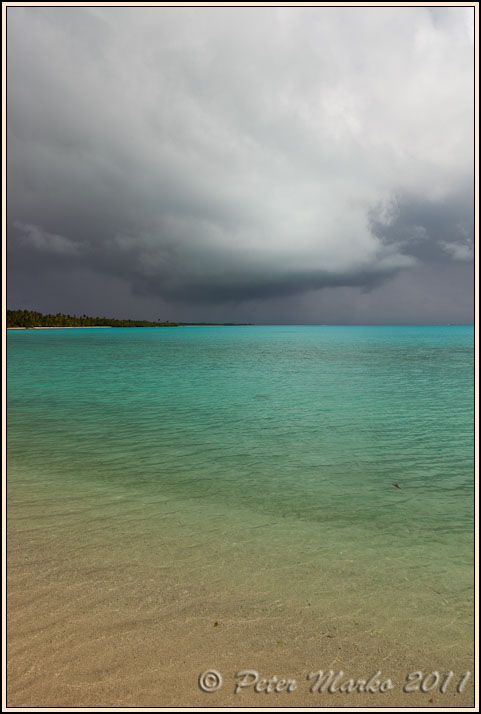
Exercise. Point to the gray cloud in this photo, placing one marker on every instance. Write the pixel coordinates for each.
(36, 239)
(430, 231)
(237, 158)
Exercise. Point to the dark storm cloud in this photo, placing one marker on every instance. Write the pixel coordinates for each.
(431, 231)
(236, 155)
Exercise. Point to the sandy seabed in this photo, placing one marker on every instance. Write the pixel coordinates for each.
(110, 605)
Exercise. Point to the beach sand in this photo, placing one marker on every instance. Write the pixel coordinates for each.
(112, 602)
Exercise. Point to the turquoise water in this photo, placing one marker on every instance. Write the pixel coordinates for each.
(301, 430)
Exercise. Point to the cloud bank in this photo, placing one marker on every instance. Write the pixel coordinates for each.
(216, 156)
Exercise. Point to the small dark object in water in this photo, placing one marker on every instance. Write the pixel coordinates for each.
(396, 485)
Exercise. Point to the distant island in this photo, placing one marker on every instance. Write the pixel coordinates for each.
(29, 319)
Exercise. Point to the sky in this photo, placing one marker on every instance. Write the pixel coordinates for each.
(242, 164)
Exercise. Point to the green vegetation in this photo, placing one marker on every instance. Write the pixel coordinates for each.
(29, 318)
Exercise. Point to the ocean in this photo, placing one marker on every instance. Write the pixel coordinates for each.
(279, 488)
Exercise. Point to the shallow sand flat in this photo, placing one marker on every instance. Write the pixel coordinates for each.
(119, 643)
(113, 601)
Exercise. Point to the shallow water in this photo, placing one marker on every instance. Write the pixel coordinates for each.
(253, 465)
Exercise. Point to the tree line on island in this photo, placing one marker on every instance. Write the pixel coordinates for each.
(31, 319)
